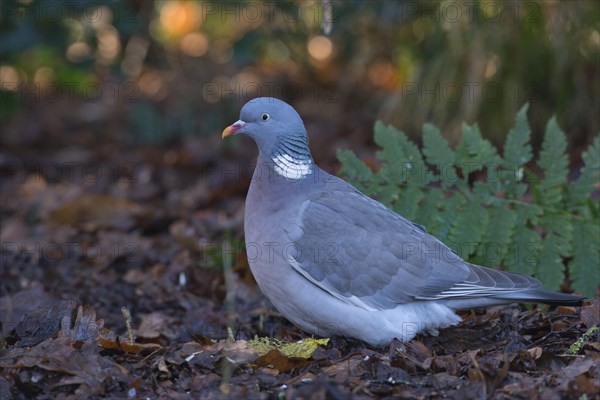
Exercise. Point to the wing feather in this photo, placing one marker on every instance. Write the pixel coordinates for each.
(363, 253)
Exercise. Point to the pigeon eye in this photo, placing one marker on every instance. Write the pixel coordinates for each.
(265, 117)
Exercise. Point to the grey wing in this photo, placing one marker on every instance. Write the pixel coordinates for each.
(365, 254)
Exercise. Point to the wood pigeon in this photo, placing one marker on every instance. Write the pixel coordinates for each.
(336, 262)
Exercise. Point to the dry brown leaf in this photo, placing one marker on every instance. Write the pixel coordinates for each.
(239, 352)
(535, 352)
(95, 211)
(85, 366)
(279, 361)
(14, 307)
(43, 323)
(85, 328)
(154, 325)
(118, 344)
(344, 367)
(590, 315)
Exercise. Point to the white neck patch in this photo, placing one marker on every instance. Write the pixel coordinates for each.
(292, 168)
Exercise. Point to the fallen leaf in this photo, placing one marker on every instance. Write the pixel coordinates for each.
(590, 315)
(154, 325)
(280, 361)
(43, 323)
(344, 367)
(566, 310)
(85, 366)
(302, 348)
(95, 211)
(535, 352)
(239, 352)
(115, 343)
(14, 307)
(85, 328)
(322, 388)
(581, 366)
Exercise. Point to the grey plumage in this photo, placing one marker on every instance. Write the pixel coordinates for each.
(335, 261)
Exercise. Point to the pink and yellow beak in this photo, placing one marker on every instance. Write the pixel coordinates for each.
(233, 129)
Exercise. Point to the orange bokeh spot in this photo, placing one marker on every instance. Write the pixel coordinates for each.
(179, 17)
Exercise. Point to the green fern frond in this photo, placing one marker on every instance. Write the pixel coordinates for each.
(523, 251)
(438, 153)
(555, 245)
(584, 267)
(354, 169)
(497, 237)
(517, 149)
(408, 201)
(517, 152)
(451, 208)
(561, 224)
(475, 153)
(550, 267)
(485, 193)
(466, 234)
(554, 163)
(403, 160)
(428, 211)
(589, 179)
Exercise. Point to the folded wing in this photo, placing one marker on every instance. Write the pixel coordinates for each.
(363, 253)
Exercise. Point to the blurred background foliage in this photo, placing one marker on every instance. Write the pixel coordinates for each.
(160, 71)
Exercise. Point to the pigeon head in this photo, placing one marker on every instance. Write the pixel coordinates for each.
(279, 133)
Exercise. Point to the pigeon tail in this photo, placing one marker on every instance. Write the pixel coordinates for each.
(542, 296)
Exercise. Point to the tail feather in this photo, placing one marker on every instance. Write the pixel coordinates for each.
(486, 287)
(526, 296)
(542, 296)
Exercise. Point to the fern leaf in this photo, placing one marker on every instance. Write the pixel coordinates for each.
(452, 206)
(475, 153)
(387, 192)
(485, 193)
(555, 245)
(550, 267)
(562, 225)
(428, 211)
(554, 163)
(355, 170)
(584, 268)
(524, 249)
(580, 190)
(408, 201)
(402, 157)
(497, 237)
(438, 153)
(523, 252)
(467, 229)
(530, 213)
(517, 150)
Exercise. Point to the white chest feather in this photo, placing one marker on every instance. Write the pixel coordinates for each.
(292, 168)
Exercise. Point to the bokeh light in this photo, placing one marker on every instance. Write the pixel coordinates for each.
(320, 48)
(78, 51)
(179, 17)
(109, 45)
(194, 44)
(9, 78)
